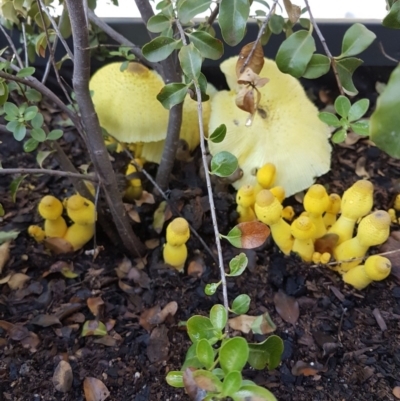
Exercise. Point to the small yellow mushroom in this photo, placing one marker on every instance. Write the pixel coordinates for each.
(245, 198)
(134, 189)
(376, 268)
(288, 213)
(37, 233)
(303, 231)
(397, 203)
(392, 214)
(330, 216)
(279, 193)
(265, 177)
(50, 208)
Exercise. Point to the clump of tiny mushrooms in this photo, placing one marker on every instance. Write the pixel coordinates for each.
(325, 230)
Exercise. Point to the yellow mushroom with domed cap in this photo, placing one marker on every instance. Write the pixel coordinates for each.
(356, 202)
(285, 126)
(51, 209)
(373, 230)
(245, 199)
(330, 216)
(303, 231)
(269, 211)
(375, 268)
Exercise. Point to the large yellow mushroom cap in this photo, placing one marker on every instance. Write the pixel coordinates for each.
(357, 201)
(374, 229)
(50, 208)
(178, 232)
(245, 196)
(377, 267)
(303, 228)
(286, 130)
(316, 199)
(81, 210)
(268, 209)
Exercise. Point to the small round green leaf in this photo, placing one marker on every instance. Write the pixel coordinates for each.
(232, 19)
(158, 23)
(329, 118)
(360, 127)
(392, 20)
(200, 327)
(30, 113)
(342, 106)
(339, 136)
(295, 53)
(205, 353)
(33, 95)
(211, 288)
(208, 46)
(30, 145)
(253, 392)
(37, 121)
(175, 378)
(276, 24)
(356, 39)
(345, 69)
(223, 164)
(19, 131)
(266, 354)
(237, 265)
(188, 9)
(172, 94)
(241, 304)
(38, 134)
(318, 65)
(159, 48)
(358, 109)
(25, 72)
(218, 316)
(219, 134)
(190, 60)
(55, 135)
(191, 360)
(11, 109)
(231, 383)
(233, 354)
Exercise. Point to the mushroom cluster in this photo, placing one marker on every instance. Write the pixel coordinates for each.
(285, 130)
(320, 233)
(127, 106)
(80, 211)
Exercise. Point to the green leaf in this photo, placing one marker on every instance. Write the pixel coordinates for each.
(42, 155)
(19, 130)
(15, 185)
(233, 354)
(208, 46)
(385, 120)
(200, 327)
(172, 94)
(30, 145)
(339, 136)
(8, 235)
(205, 353)
(345, 69)
(318, 65)
(158, 23)
(38, 134)
(37, 121)
(358, 109)
(55, 135)
(211, 288)
(190, 60)
(360, 127)
(209, 381)
(392, 20)
(241, 304)
(356, 39)
(33, 95)
(124, 65)
(262, 324)
(266, 354)
(237, 265)
(25, 72)
(295, 53)
(30, 113)
(232, 383)
(2, 213)
(342, 106)
(276, 24)
(11, 109)
(4, 90)
(329, 118)
(219, 134)
(188, 9)
(223, 164)
(253, 392)
(159, 48)
(175, 378)
(191, 360)
(218, 316)
(233, 15)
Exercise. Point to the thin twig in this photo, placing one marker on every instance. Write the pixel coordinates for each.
(344, 310)
(48, 172)
(11, 44)
(259, 35)
(25, 45)
(386, 55)
(213, 15)
(325, 46)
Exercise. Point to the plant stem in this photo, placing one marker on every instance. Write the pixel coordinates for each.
(213, 15)
(47, 172)
(11, 44)
(170, 73)
(259, 35)
(25, 45)
(325, 46)
(96, 145)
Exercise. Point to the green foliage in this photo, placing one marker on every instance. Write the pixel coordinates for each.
(232, 20)
(350, 114)
(237, 265)
(219, 134)
(172, 94)
(392, 20)
(241, 304)
(224, 164)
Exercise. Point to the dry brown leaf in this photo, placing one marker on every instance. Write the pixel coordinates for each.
(7, 326)
(107, 340)
(6, 278)
(293, 11)
(152, 243)
(192, 389)
(123, 268)
(95, 389)
(253, 234)
(168, 310)
(145, 198)
(147, 315)
(249, 77)
(45, 320)
(196, 267)
(158, 346)
(301, 368)
(256, 61)
(326, 243)
(17, 281)
(360, 168)
(132, 213)
(58, 245)
(96, 305)
(396, 391)
(287, 307)
(31, 342)
(261, 324)
(4, 254)
(62, 377)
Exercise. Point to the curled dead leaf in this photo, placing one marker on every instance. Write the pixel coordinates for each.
(95, 389)
(293, 11)
(145, 198)
(287, 307)
(96, 305)
(261, 324)
(360, 168)
(17, 281)
(44, 320)
(326, 243)
(396, 392)
(256, 61)
(4, 254)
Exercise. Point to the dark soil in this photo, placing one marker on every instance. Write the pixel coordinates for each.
(350, 339)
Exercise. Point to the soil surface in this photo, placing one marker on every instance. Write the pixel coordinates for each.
(345, 345)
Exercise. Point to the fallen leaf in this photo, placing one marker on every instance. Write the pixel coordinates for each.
(96, 305)
(158, 346)
(145, 198)
(396, 391)
(65, 268)
(45, 320)
(196, 267)
(58, 245)
(301, 368)
(248, 235)
(17, 281)
(155, 315)
(132, 213)
(31, 342)
(287, 307)
(95, 389)
(93, 328)
(159, 217)
(4, 254)
(194, 392)
(360, 168)
(6, 279)
(261, 324)
(326, 243)
(152, 243)
(62, 377)
(256, 61)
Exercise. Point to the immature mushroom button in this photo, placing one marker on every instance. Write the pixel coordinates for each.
(285, 126)
(245, 199)
(50, 208)
(303, 231)
(333, 209)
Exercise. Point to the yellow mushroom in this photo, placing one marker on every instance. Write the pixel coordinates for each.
(316, 202)
(265, 177)
(50, 208)
(397, 203)
(373, 230)
(303, 231)
(175, 250)
(285, 125)
(37, 233)
(269, 211)
(245, 199)
(278, 192)
(134, 188)
(288, 213)
(376, 268)
(393, 215)
(330, 216)
(356, 203)
(319, 258)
